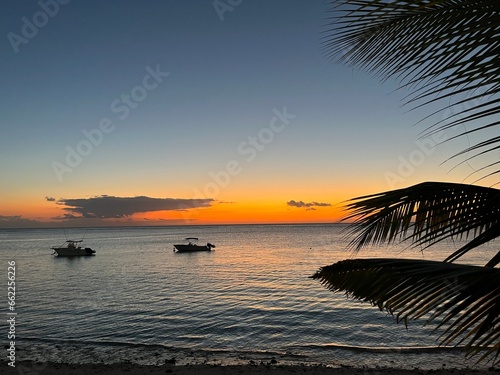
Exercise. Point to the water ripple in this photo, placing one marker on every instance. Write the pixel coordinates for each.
(251, 294)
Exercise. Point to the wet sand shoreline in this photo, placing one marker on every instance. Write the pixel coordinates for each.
(46, 368)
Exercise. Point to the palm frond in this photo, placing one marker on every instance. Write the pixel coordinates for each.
(425, 214)
(463, 300)
(443, 50)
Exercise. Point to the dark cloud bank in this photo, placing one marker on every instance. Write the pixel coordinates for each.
(101, 210)
(109, 207)
(309, 205)
(16, 221)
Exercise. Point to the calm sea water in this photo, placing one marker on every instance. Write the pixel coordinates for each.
(249, 299)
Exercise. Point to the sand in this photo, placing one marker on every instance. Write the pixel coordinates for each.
(35, 368)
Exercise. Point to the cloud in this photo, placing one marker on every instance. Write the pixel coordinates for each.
(17, 221)
(309, 205)
(107, 207)
(50, 199)
(12, 219)
(66, 217)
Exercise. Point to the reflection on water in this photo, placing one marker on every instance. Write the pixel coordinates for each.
(251, 294)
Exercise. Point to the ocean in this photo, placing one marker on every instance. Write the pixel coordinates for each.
(251, 299)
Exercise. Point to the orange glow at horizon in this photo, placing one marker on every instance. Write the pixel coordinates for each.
(232, 210)
(231, 213)
(246, 213)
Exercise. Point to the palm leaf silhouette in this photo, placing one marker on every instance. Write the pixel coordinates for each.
(444, 50)
(426, 214)
(464, 299)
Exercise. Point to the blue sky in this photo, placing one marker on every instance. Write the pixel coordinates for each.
(225, 78)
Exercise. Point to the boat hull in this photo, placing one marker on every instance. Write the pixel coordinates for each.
(190, 248)
(67, 252)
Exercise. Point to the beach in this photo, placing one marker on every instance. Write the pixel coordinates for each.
(42, 368)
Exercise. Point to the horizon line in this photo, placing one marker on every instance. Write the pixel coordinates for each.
(173, 225)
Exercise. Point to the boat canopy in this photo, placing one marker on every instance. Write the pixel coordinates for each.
(191, 238)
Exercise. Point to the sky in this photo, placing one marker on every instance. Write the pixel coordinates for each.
(195, 112)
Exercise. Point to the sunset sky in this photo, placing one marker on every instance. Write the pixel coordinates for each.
(195, 112)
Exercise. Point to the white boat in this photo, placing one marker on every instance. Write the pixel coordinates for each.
(191, 246)
(72, 248)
